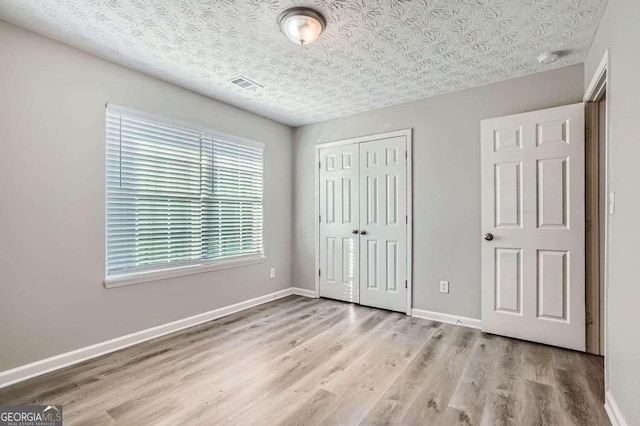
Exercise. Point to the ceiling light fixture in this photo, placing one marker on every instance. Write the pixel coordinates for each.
(301, 25)
(548, 57)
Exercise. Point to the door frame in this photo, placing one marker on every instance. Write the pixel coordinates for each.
(408, 134)
(599, 85)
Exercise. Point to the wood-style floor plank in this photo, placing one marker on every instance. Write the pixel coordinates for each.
(394, 403)
(540, 405)
(434, 395)
(577, 400)
(470, 395)
(300, 361)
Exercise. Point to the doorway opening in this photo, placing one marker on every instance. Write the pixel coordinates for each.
(599, 206)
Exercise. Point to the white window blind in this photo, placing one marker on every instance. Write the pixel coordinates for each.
(178, 195)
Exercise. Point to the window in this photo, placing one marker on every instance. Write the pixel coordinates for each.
(179, 197)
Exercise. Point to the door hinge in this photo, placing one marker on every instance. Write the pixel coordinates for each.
(320, 218)
(319, 272)
(319, 164)
(406, 220)
(406, 155)
(405, 284)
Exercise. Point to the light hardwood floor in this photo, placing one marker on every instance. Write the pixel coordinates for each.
(314, 361)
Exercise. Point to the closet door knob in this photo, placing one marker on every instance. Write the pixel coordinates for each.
(363, 232)
(355, 231)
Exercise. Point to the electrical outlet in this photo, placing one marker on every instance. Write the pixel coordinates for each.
(444, 286)
(272, 273)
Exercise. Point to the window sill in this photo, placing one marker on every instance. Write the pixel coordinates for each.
(148, 276)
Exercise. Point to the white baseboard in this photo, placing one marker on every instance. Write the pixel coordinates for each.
(447, 318)
(57, 362)
(610, 406)
(304, 292)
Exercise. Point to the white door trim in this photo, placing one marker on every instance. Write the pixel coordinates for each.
(600, 84)
(599, 81)
(408, 134)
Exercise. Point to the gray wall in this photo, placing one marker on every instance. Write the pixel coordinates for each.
(447, 234)
(619, 31)
(52, 191)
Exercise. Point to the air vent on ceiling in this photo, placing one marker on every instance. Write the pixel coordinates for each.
(246, 84)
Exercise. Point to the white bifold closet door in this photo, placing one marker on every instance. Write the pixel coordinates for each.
(383, 227)
(363, 223)
(339, 222)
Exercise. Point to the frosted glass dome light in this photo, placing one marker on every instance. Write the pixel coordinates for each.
(301, 25)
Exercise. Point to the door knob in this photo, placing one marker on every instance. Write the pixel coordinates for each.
(488, 237)
(363, 232)
(355, 231)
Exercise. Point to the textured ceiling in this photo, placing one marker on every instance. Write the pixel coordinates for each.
(372, 54)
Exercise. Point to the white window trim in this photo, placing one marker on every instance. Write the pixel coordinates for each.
(181, 271)
(198, 267)
(213, 133)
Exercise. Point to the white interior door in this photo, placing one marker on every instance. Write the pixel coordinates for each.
(383, 223)
(533, 208)
(339, 215)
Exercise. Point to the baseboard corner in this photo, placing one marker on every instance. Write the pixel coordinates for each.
(613, 411)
